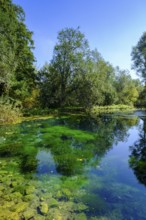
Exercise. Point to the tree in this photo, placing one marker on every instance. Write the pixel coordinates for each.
(16, 59)
(101, 76)
(78, 76)
(139, 57)
(7, 46)
(127, 88)
(68, 61)
(49, 86)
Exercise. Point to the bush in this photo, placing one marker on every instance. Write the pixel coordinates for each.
(9, 111)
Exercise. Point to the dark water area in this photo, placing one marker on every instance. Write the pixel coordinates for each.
(74, 168)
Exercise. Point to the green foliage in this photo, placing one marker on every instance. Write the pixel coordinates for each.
(16, 59)
(139, 57)
(141, 102)
(8, 62)
(127, 88)
(78, 76)
(17, 73)
(65, 69)
(9, 112)
(101, 76)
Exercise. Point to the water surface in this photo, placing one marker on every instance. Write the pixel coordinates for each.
(74, 168)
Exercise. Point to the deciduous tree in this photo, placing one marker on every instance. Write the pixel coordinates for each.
(139, 57)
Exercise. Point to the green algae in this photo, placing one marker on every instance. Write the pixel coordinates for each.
(68, 133)
(81, 216)
(43, 208)
(29, 214)
(53, 203)
(29, 190)
(69, 184)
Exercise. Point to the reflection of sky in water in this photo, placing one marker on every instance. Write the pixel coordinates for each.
(46, 164)
(114, 165)
(140, 113)
(120, 185)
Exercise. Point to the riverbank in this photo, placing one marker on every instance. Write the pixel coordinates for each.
(10, 116)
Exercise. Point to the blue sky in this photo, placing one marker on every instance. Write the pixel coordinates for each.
(111, 26)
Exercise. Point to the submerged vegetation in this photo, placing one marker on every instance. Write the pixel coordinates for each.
(58, 169)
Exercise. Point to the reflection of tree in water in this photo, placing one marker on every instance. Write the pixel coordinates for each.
(110, 127)
(138, 155)
(71, 148)
(71, 160)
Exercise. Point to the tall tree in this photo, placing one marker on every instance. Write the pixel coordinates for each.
(101, 77)
(16, 58)
(139, 57)
(7, 46)
(68, 60)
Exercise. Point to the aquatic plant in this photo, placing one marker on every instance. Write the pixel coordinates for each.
(55, 169)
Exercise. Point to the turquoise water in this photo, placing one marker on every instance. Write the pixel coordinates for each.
(74, 168)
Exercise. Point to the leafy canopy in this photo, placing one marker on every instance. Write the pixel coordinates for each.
(16, 57)
(139, 57)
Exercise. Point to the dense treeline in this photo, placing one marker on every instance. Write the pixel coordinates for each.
(76, 75)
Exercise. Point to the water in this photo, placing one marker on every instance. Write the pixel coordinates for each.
(74, 168)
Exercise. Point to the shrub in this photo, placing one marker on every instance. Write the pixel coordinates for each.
(9, 111)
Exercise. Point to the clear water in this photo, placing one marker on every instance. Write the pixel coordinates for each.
(74, 168)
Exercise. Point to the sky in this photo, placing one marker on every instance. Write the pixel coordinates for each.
(111, 26)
